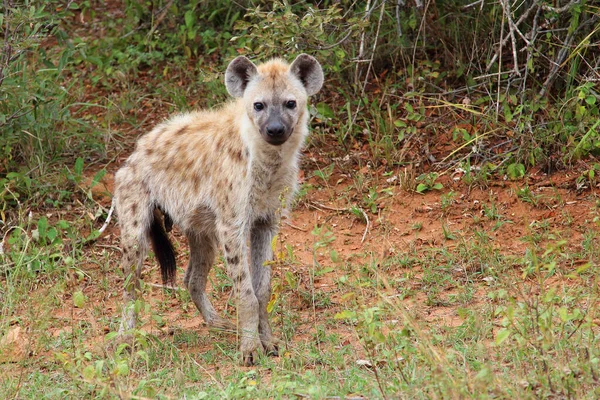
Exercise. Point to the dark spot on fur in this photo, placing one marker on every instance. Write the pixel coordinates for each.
(133, 208)
(248, 292)
(135, 223)
(246, 152)
(220, 143)
(149, 151)
(181, 130)
(233, 260)
(242, 275)
(227, 248)
(196, 179)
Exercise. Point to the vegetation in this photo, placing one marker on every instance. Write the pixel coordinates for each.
(444, 243)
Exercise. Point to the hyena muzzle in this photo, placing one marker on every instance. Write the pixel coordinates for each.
(223, 177)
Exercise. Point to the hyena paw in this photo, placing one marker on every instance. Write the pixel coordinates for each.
(271, 346)
(250, 352)
(221, 324)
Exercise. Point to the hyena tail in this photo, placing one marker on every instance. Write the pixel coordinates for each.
(163, 248)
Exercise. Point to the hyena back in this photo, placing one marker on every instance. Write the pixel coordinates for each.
(219, 175)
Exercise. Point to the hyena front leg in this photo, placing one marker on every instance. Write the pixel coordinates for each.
(261, 236)
(132, 261)
(238, 269)
(135, 214)
(202, 256)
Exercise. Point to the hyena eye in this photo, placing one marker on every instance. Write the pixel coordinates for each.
(291, 104)
(259, 106)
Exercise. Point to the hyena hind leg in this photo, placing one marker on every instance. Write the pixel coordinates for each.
(202, 257)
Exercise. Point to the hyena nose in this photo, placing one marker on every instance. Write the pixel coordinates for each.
(275, 129)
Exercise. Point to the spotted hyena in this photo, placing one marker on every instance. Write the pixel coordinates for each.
(219, 175)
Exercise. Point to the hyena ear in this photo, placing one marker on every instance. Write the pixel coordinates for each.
(238, 74)
(309, 71)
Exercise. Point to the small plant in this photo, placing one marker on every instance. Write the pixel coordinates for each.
(427, 182)
(589, 178)
(325, 173)
(447, 200)
(371, 200)
(448, 234)
(525, 194)
(515, 171)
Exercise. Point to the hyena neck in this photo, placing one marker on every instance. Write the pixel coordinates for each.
(273, 169)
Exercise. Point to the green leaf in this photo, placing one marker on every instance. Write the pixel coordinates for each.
(89, 372)
(563, 314)
(508, 115)
(422, 188)
(325, 110)
(78, 169)
(502, 335)
(515, 171)
(79, 299)
(483, 374)
(42, 227)
(51, 234)
(189, 18)
(98, 177)
(62, 224)
(438, 186)
(591, 100)
(346, 314)
(122, 368)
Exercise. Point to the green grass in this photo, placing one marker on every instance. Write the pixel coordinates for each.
(464, 321)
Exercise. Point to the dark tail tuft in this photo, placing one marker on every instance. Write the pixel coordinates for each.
(163, 250)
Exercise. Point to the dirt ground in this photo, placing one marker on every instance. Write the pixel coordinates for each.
(404, 222)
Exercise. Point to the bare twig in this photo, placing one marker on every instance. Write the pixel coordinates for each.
(294, 226)
(562, 9)
(159, 19)
(562, 54)
(161, 286)
(108, 217)
(361, 46)
(399, 3)
(322, 207)
(503, 39)
(374, 47)
(511, 31)
(480, 2)
(339, 42)
(368, 224)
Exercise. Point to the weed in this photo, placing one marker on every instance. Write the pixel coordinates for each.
(447, 200)
(426, 182)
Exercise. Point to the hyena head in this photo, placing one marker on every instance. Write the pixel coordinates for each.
(274, 93)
